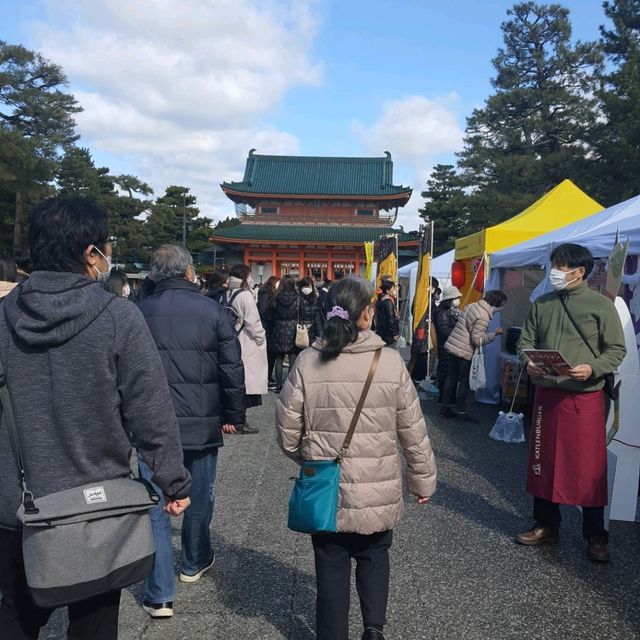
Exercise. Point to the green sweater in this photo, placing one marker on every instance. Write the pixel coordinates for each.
(548, 327)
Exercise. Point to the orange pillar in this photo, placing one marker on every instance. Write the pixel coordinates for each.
(245, 258)
(330, 265)
(274, 263)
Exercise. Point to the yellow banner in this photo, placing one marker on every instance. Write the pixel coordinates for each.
(423, 290)
(368, 252)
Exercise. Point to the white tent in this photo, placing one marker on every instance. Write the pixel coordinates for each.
(595, 232)
(440, 269)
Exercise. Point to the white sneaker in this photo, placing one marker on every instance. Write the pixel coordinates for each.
(184, 577)
(158, 609)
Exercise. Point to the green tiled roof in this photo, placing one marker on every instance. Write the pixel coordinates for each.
(305, 175)
(319, 234)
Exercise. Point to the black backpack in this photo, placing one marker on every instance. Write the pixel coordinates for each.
(226, 302)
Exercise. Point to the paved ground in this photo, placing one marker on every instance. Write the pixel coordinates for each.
(456, 573)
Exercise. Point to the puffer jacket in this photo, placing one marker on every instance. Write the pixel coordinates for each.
(387, 323)
(200, 353)
(285, 319)
(313, 414)
(471, 330)
(308, 315)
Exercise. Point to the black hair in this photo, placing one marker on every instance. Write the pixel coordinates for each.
(242, 272)
(270, 284)
(353, 294)
(573, 256)
(287, 283)
(61, 229)
(7, 269)
(218, 278)
(435, 283)
(115, 282)
(495, 298)
(387, 285)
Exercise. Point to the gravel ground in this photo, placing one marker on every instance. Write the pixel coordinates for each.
(456, 572)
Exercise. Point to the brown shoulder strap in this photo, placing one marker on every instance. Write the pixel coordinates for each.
(358, 411)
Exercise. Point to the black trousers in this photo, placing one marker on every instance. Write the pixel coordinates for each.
(21, 619)
(547, 514)
(456, 384)
(279, 366)
(271, 363)
(333, 553)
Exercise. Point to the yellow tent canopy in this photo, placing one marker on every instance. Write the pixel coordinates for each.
(561, 206)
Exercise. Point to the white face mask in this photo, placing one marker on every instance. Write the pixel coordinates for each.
(126, 291)
(558, 278)
(278, 284)
(250, 282)
(102, 276)
(456, 302)
(306, 290)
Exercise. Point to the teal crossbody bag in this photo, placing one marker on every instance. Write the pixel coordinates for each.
(313, 505)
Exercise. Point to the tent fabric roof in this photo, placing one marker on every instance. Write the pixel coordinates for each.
(561, 206)
(597, 233)
(440, 266)
(306, 175)
(307, 233)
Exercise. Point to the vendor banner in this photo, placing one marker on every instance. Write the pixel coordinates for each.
(615, 267)
(369, 253)
(387, 248)
(422, 296)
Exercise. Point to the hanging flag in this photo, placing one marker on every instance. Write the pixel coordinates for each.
(387, 259)
(422, 296)
(368, 252)
(615, 266)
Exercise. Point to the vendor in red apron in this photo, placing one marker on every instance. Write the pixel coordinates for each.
(567, 445)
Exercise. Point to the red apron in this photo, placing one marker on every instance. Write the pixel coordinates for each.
(567, 448)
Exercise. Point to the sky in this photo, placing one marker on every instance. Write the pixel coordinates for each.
(179, 91)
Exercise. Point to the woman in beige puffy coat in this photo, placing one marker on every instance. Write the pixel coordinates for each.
(470, 332)
(312, 417)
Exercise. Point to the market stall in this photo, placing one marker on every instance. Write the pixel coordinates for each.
(563, 205)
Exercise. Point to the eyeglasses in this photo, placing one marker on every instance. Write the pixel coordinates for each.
(113, 241)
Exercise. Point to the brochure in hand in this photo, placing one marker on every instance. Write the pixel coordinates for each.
(553, 362)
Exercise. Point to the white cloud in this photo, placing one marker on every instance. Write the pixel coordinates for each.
(415, 128)
(419, 132)
(180, 88)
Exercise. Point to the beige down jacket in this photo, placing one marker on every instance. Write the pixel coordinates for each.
(313, 415)
(471, 330)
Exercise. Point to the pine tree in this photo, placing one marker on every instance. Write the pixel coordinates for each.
(446, 206)
(535, 130)
(619, 139)
(32, 105)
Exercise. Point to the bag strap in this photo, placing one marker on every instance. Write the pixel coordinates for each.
(9, 419)
(358, 411)
(575, 324)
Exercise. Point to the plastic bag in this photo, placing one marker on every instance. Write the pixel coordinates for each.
(477, 374)
(508, 428)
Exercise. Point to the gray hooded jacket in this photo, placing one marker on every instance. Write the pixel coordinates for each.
(85, 379)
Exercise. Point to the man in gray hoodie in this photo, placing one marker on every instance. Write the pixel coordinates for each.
(85, 382)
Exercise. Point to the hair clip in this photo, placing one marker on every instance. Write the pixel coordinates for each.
(338, 312)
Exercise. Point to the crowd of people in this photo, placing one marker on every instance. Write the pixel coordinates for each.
(172, 368)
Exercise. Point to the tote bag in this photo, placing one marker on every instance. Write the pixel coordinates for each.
(477, 374)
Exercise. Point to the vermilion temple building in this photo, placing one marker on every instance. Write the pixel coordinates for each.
(311, 216)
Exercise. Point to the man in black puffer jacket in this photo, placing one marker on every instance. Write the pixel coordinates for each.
(201, 355)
